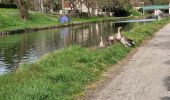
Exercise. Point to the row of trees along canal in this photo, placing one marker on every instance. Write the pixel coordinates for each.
(105, 5)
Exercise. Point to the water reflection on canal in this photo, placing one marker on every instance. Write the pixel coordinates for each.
(28, 47)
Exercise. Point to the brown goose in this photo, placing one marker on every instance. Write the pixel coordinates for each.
(127, 42)
(110, 40)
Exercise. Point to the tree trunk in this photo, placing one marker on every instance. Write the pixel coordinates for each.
(42, 6)
(63, 8)
(22, 6)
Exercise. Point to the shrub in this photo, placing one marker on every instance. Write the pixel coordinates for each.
(121, 13)
(2, 5)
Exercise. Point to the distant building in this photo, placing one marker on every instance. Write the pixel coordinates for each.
(79, 6)
(137, 4)
(67, 5)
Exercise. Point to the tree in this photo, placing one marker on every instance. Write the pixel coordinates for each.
(6, 1)
(23, 9)
(154, 2)
(41, 6)
(63, 8)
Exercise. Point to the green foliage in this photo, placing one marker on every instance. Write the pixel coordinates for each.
(134, 12)
(121, 12)
(7, 5)
(11, 20)
(64, 74)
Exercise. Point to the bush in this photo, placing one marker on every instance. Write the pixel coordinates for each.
(2, 5)
(81, 14)
(121, 13)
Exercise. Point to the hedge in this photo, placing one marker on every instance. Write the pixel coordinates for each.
(2, 5)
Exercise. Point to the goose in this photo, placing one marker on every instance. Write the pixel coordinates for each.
(110, 40)
(118, 34)
(116, 37)
(101, 45)
(127, 42)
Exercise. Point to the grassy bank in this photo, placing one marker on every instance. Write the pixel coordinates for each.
(64, 74)
(10, 20)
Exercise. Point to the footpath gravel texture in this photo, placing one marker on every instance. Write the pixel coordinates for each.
(146, 76)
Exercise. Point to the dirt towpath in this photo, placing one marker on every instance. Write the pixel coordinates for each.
(146, 76)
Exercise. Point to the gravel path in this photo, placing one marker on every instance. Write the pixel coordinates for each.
(146, 76)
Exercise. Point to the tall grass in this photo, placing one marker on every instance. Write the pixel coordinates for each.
(64, 74)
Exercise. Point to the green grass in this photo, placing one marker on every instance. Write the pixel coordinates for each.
(64, 74)
(61, 75)
(10, 20)
(134, 12)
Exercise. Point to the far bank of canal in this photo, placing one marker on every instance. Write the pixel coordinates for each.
(75, 22)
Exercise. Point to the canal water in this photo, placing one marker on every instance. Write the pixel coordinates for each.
(28, 47)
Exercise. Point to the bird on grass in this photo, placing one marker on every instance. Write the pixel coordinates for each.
(115, 38)
(118, 35)
(101, 45)
(110, 40)
(127, 42)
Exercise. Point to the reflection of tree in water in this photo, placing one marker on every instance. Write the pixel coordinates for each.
(65, 34)
(44, 41)
(16, 48)
(11, 51)
(80, 34)
(88, 35)
(125, 26)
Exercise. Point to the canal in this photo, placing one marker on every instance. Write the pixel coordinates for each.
(23, 48)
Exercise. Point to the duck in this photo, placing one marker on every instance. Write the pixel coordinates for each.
(101, 45)
(127, 42)
(118, 35)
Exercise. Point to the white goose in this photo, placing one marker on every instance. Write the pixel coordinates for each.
(118, 34)
(101, 45)
(116, 37)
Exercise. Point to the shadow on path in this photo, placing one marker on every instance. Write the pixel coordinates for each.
(160, 45)
(167, 83)
(165, 98)
(167, 62)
